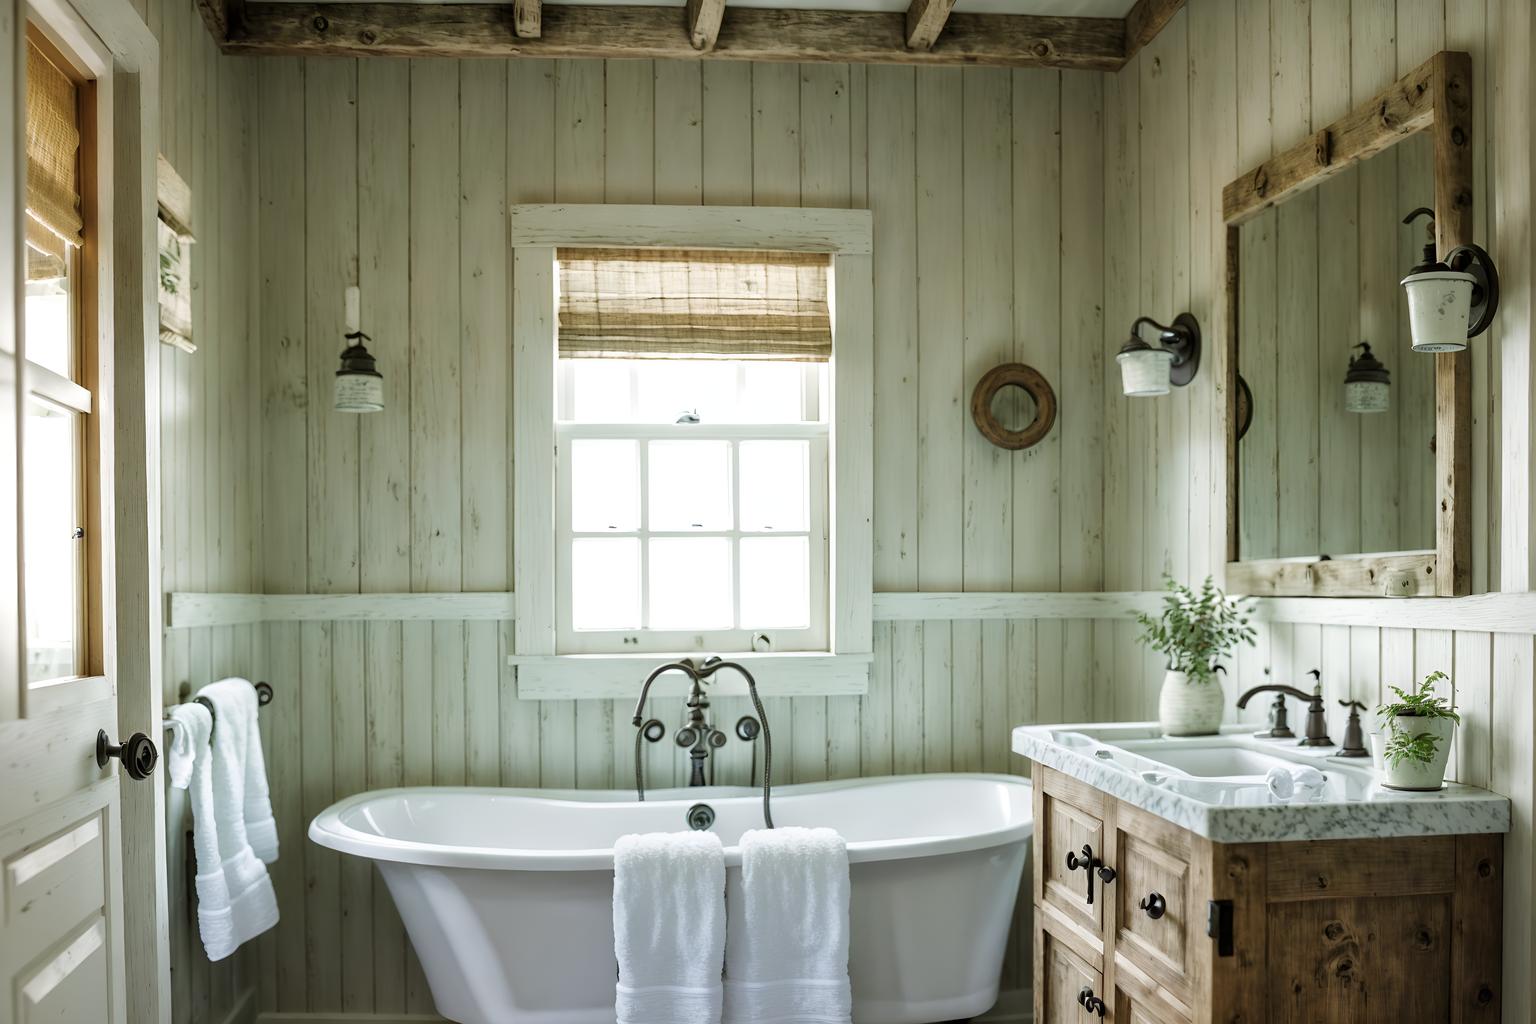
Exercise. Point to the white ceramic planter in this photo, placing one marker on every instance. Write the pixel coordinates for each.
(1413, 774)
(1189, 709)
(1439, 309)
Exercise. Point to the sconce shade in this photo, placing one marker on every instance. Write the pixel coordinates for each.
(1367, 385)
(359, 384)
(1439, 309)
(1144, 370)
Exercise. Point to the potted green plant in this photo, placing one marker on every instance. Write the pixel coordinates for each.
(1196, 630)
(1418, 728)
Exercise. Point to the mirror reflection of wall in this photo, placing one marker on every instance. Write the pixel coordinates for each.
(1320, 274)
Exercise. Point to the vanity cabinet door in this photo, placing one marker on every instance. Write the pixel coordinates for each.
(1066, 987)
(1132, 1010)
(1070, 838)
(1154, 913)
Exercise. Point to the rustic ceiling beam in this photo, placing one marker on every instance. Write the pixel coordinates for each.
(219, 15)
(925, 20)
(1145, 20)
(704, 17)
(751, 34)
(527, 18)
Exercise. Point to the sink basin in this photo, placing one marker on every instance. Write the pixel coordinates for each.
(1214, 761)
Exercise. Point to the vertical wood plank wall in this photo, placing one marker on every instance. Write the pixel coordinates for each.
(396, 175)
(210, 430)
(1221, 88)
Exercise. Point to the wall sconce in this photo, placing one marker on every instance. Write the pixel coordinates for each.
(1450, 301)
(1367, 385)
(359, 384)
(1146, 371)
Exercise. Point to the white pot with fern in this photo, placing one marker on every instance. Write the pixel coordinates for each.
(1195, 630)
(1418, 728)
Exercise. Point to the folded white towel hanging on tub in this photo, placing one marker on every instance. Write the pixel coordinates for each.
(786, 955)
(668, 927)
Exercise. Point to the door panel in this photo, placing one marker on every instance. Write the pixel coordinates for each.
(60, 871)
(69, 983)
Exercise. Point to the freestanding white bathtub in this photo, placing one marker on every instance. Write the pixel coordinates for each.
(507, 893)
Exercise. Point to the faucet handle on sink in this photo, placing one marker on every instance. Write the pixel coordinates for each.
(1354, 736)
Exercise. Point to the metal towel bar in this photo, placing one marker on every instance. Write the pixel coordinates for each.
(263, 698)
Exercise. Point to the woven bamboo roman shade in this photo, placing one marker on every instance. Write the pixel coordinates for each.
(694, 303)
(53, 146)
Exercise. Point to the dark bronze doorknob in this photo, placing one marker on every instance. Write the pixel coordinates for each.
(137, 753)
(1154, 904)
(1090, 1002)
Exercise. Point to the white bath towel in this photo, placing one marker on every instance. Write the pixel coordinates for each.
(669, 927)
(238, 696)
(235, 901)
(786, 959)
(190, 726)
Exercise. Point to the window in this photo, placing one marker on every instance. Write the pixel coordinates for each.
(54, 491)
(692, 452)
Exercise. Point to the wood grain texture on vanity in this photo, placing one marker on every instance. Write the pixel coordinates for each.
(1183, 930)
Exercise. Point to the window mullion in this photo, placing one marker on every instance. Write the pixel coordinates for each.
(644, 535)
(735, 465)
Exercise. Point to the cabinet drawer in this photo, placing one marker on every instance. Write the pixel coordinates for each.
(1154, 898)
(1061, 979)
(1069, 816)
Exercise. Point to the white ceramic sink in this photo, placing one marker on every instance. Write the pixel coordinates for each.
(1215, 760)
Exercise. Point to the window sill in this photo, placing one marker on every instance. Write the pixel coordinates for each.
(618, 676)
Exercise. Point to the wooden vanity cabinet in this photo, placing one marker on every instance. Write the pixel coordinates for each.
(1182, 930)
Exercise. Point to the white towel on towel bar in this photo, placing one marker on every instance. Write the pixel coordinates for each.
(235, 901)
(786, 951)
(668, 927)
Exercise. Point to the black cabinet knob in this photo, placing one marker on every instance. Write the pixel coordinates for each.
(137, 753)
(1106, 874)
(1154, 905)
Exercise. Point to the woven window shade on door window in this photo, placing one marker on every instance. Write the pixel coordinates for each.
(694, 303)
(53, 179)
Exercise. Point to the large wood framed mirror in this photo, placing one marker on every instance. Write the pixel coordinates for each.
(1321, 500)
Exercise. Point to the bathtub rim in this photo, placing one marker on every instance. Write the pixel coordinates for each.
(328, 830)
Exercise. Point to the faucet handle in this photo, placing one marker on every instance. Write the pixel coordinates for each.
(1317, 680)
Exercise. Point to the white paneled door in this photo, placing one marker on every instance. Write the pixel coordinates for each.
(75, 823)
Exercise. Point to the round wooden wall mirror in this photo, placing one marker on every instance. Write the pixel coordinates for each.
(1014, 375)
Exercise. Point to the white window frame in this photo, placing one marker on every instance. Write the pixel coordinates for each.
(536, 232)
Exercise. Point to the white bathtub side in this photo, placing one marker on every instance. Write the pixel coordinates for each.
(536, 947)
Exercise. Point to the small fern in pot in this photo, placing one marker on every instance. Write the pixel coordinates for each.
(1195, 630)
(1419, 726)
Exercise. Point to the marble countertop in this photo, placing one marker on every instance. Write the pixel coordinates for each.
(1352, 805)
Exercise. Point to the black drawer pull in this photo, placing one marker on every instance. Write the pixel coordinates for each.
(1090, 1002)
(1090, 866)
(1154, 905)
